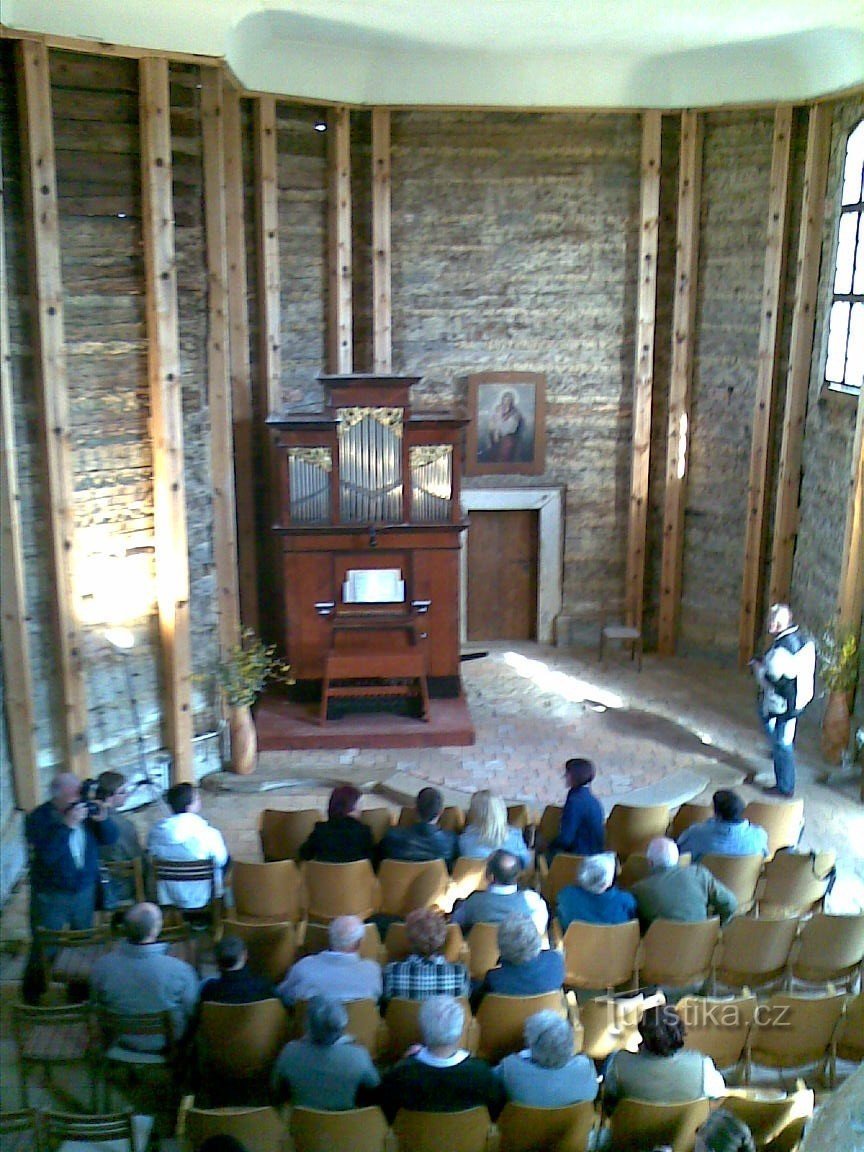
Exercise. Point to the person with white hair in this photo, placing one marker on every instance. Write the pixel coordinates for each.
(440, 1076)
(339, 971)
(327, 1067)
(595, 898)
(525, 967)
(671, 892)
(546, 1073)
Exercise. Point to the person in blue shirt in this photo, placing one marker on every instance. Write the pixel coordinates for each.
(595, 899)
(727, 832)
(582, 829)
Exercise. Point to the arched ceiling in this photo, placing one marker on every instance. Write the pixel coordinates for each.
(504, 53)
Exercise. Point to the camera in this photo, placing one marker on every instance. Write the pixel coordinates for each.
(87, 796)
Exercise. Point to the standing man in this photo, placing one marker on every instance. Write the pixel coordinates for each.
(786, 675)
(63, 839)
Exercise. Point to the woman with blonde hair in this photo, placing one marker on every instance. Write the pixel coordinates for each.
(487, 830)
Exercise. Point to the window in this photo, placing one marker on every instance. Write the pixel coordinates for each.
(844, 364)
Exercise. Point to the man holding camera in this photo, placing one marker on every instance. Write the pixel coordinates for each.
(63, 837)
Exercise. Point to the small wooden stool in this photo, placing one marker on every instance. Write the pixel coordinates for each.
(370, 674)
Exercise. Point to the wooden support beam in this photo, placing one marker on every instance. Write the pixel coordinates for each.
(169, 490)
(678, 433)
(218, 369)
(267, 227)
(17, 673)
(40, 189)
(241, 374)
(760, 442)
(850, 596)
(382, 349)
(800, 352)
(340, 335)
(643, 372)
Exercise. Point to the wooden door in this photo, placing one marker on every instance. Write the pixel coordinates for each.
(502, 575)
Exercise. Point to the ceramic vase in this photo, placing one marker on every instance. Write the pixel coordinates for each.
(836, 727)
(244, 740)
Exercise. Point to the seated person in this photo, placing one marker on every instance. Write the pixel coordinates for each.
(724, 1132)
(440, 1076)
(186, 835)
(594, 898)
(502, 898)
(583, 825)
(339, 971)
(327, 1067)
(424, 840)
(235, 984)
(487, 829)
(674, 893)
(112, 790)
(546, 1074)
(662, 1069)
(526, 969)
(342, 837)
(425, 972)
(727, 832)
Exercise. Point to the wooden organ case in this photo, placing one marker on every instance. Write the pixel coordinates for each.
(367, 532)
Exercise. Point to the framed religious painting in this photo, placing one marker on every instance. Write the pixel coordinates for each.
(507, 429)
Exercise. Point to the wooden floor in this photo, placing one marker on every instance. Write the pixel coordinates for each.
(284, 724)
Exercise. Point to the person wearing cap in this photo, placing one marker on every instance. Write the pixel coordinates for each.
(594, 898)
(674, 893)
(727, 832)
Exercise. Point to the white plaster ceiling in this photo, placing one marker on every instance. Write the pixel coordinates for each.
(505, 53)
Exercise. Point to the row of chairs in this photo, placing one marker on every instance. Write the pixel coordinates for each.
(29, 1130)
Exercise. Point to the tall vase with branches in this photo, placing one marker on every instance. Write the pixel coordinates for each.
(244, 673)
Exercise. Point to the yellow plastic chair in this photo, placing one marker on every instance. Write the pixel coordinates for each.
(519, 816)
(467, 1131)
(469, 875)
(739, 873)
(637, 1125)
(678, 954)
(688, 814)
(356, 1130)
(631, 828)
(781, 819)
(754, 952)
(563, 870)
(794, 883)
(549, 826)
(850, 1039)
(396, 946)
(829, 949)
(50, 1038)
(718, 1027)
(601, 956)
(259, 1129)
(266, 892)
(409, 884)
(380, 820)
(792, 1031)
(776, 1120)
(402, 1017)
(483, 951)
(526, 1129)
(501, 1020)
(241, 1041)
(282, 832)
(611, 1023)
(332, 890)
(272, 946)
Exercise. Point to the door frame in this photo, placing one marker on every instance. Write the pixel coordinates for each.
(549, 502)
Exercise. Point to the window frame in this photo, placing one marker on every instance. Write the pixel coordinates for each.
(855, 208)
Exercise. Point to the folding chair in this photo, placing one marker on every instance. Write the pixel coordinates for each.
(282, 832)
(332, 890)
(679, 954)
(631, 828)
(266, 892)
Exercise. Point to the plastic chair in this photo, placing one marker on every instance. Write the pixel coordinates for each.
(357, 1130)
(637, 1125)
(601, 955)
(792, 1031)
(364, 1024)
(781, 819)
(396, 946)
(775, 1120)
(282, 832)
(829, 948)
(850, 1039)
(316, 939)
(794, 883)
(519, 816)
(631, 828)
(333, 890)
(468, 875)
(410, 884)
(452, 818)
(501, 1020)
(272, 947)
(68, 955)
(754, 952)
(678, 954)
(19, 1131)
(687, 814)
(380, 820)
(563, 870)
(719, 1028)
(525, 1129)
(611, 1023)
(240, 1041)
(550, 825)
(402, 1017)
(53, 1037)
(483, 951)
(59, 1127)
(266, 892)
(467, 1131)
(257, 1129)
(739, 873)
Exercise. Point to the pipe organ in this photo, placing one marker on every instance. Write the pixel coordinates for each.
(367, 533)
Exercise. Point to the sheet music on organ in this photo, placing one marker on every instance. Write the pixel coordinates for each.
(373, 586)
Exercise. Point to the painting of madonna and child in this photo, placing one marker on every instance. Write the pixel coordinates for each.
(507, 432)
